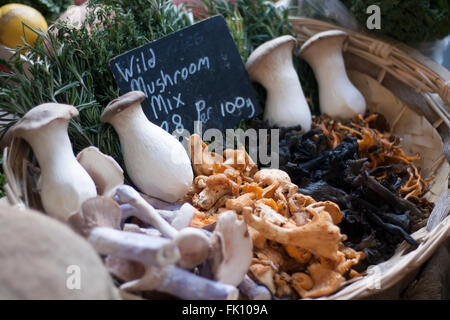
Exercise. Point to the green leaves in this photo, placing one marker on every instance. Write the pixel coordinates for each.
(409, 21)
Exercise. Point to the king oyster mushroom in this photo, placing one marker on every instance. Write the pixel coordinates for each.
(156, 161)
(271, 65)
(64, 183)
(338, 96)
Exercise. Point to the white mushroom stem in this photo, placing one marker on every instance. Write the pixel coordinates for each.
(129, 211)
(144, 211)
(182, 284)
(254, 291)
(179, 219)
(338, 96)
(192, 243)
(130, 227)
(154, 251)
(161, 205)
(271, 65)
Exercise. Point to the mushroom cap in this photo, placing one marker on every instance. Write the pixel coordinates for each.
(121, 103)
(193, 245)
(41, 116)
(103, 169)
(265, 50)
(96, 212)
(318, 37)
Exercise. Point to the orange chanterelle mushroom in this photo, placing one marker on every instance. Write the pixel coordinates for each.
(297, 245)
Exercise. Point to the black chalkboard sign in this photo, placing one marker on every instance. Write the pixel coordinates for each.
(195, 74)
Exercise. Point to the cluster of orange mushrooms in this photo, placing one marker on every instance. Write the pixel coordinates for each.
(297, 247)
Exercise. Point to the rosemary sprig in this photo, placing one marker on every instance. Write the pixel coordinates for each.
(71, 65)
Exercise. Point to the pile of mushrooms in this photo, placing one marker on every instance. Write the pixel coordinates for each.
(297, 245)
(156, 251)
(189, 237)
(145, 242)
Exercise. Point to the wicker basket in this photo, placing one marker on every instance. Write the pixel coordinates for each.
(415, 101)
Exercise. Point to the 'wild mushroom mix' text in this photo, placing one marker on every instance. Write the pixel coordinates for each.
(195, 74)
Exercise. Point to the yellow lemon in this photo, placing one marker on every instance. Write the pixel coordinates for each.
(11, 28)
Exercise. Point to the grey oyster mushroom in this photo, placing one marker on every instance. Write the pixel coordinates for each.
(99, 221)
(192, 243)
